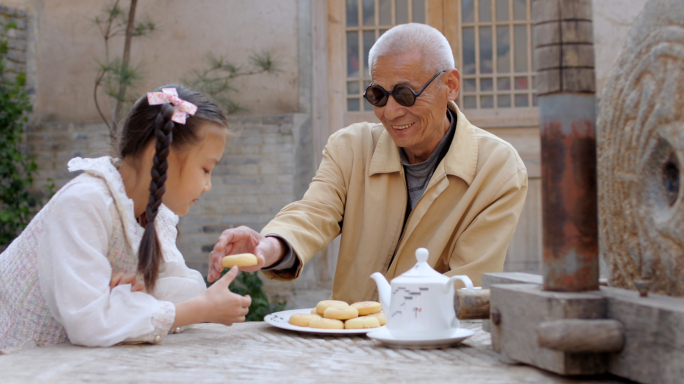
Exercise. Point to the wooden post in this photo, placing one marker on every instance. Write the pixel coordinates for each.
(472, 304)
(576, 335)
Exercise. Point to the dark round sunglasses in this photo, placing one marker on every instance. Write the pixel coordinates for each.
(403, 94)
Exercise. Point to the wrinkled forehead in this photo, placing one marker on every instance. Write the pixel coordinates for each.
(404, 68)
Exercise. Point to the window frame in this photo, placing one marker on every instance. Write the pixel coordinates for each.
(439, 14)
(492, 117)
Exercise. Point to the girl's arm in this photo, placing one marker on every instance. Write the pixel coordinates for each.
(217, 303)
(75, 275)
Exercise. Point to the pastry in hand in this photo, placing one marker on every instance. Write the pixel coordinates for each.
(241, 260)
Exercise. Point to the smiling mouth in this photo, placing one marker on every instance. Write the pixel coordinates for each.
(401, 127)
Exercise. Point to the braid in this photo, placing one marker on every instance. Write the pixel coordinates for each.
(149, 254)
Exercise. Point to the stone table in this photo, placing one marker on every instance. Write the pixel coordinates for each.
(256, 352)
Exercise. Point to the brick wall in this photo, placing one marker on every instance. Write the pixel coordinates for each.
(252, 182)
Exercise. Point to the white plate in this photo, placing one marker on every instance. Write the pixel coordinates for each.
(383, 335)
(280, 320)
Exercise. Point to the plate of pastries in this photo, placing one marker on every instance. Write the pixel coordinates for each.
(331, 317)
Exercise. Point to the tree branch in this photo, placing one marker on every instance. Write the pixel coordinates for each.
(124, 64)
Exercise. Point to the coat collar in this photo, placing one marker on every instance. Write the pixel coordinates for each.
(460, 160)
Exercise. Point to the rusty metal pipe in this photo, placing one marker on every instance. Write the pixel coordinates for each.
(565, 64)
(569, 199)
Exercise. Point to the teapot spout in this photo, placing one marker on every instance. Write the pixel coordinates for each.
(384, 290)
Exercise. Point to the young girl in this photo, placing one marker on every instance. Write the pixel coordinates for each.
(76, 273)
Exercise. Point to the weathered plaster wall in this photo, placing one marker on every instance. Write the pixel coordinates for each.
(69, 44)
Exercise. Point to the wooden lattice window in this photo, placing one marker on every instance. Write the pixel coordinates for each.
(496, 57)
(366, 21)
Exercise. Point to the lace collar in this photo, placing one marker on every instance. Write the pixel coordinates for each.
(105, 169)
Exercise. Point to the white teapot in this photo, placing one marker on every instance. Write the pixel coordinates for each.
(420, 303)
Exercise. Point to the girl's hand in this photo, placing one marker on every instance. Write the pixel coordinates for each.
(121, 278)
(224, 306)
(216, 305)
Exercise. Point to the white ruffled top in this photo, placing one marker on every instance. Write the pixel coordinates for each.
(85, 233)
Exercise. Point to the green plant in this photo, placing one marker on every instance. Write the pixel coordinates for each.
(215, 81)
(115, 76)
(17, 169)
(250, 284)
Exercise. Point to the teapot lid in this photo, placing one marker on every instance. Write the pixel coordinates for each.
(422, 269)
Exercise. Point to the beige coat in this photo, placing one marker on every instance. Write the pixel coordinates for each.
(465, 218)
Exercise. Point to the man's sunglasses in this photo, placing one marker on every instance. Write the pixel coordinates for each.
(403, 94)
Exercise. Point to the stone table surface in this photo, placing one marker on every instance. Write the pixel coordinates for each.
(259, 353)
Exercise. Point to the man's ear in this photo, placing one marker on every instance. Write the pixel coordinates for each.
(453, 82)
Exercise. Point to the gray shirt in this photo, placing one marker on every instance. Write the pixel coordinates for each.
(418, 175)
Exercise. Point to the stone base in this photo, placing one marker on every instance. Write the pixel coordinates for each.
(522, 307)
(489, 279)
(653, 349)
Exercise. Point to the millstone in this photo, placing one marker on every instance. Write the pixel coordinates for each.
(640, 132)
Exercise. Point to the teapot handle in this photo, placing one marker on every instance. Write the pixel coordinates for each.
(465, 279)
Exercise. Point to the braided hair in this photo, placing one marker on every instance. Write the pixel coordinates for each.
(148, 122)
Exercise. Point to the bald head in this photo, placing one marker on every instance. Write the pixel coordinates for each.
(413, 37)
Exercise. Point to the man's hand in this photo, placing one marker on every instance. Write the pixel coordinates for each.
(268, 250)
(121, 278)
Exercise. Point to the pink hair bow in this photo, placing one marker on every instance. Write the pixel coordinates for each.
(182, 108)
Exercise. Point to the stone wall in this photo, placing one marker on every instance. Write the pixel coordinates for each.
(16, 38)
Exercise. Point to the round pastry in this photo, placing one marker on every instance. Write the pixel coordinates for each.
(322, 305)
(362, 322)
(380, 316)
(367, 307)
(241, 260)
(326, 324)
(314, 312)
(302, 319)
(341, 313)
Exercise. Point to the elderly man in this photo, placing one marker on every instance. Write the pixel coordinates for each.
(425, 177)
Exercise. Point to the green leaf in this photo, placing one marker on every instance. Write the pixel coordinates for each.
(17, 170)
